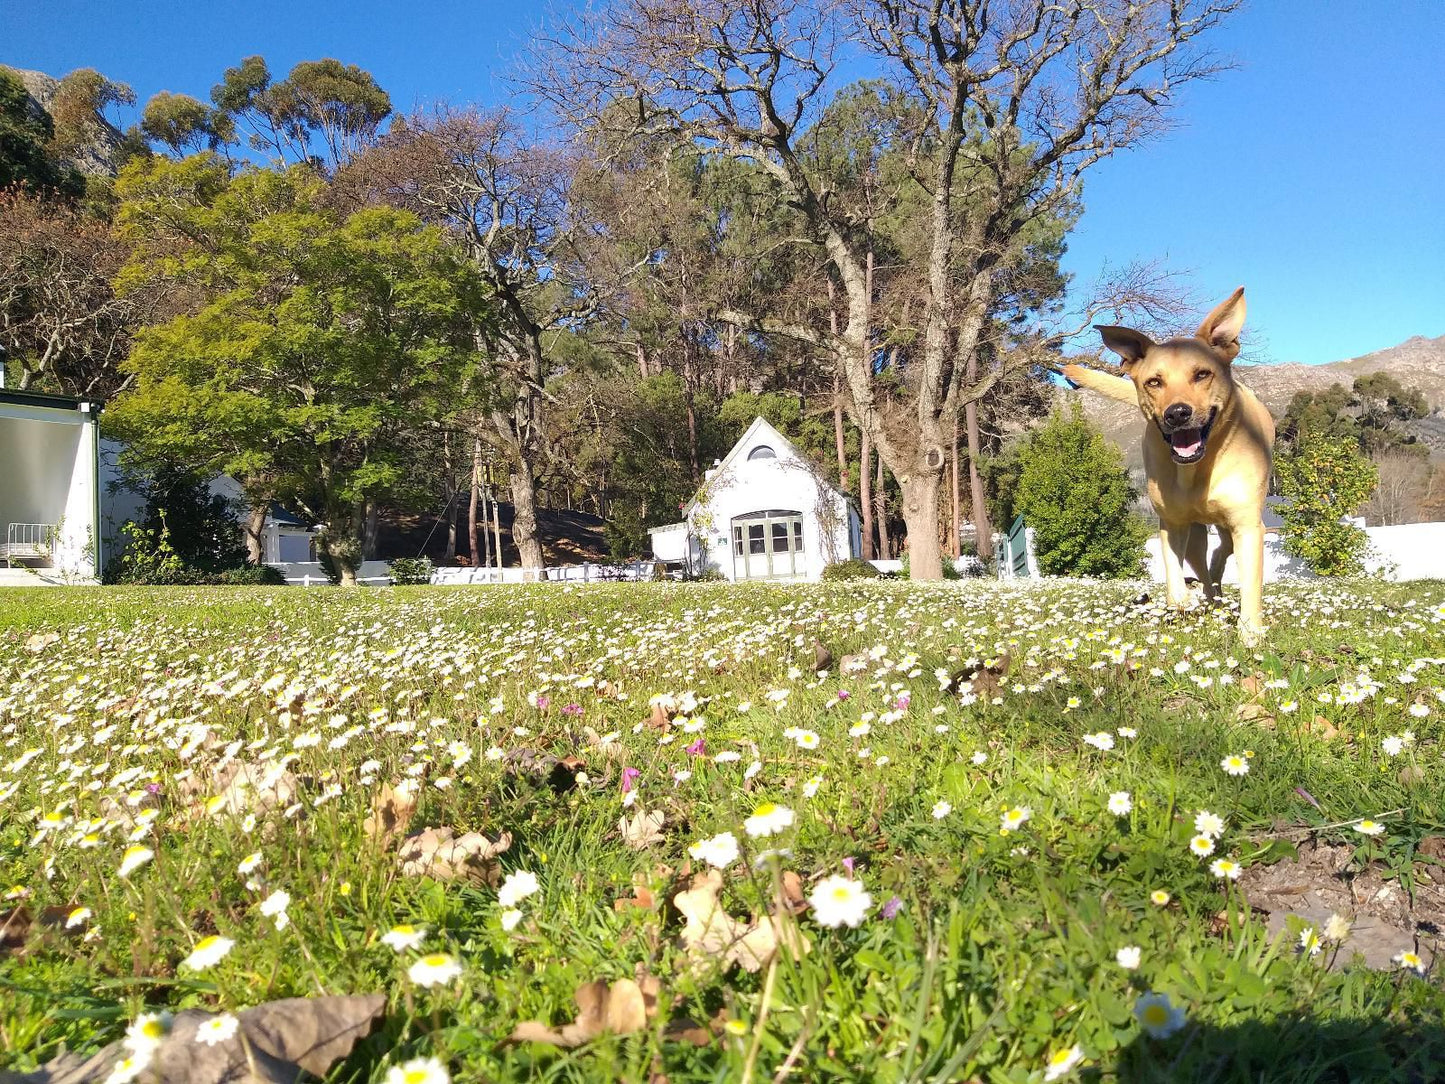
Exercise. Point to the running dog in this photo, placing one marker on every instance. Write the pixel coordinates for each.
(1207, 452)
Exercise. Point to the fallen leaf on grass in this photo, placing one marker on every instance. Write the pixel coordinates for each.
(712, 937)
(822, 657)
(1254, 711)
(392, 809)
(1324, 728)
(605, 744)
(243, 788)
(643, 829)
(793, 896)
(40, 641)
(443, 855)
(276, 1043)
(622, 1009)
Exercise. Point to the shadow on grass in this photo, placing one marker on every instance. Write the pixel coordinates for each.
(1291, 1049)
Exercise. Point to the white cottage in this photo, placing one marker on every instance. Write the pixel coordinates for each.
(764, 512)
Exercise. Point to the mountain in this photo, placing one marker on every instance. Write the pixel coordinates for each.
(97, 155)
(1416, 363)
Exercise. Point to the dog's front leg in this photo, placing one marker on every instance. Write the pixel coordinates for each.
(1173, 545)
(1249, 555)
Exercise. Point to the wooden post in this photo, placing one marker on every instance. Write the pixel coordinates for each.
(476, 492)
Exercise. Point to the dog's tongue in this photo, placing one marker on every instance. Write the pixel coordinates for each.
(1185, 441)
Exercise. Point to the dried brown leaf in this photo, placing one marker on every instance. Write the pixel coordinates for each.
(621, 1009)
(38, 642)
(392, 809)
(443, 855)
(642, 829)
(713, 938)
(275, 1044)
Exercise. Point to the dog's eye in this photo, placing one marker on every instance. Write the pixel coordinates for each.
(1202, 374)
(1153, 382)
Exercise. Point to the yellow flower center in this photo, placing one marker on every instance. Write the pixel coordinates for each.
(1156, 1016)
(436, 959)
(205, 943)
(414, 1076)
(765, 810)
(842, 893)
(1060, 1056)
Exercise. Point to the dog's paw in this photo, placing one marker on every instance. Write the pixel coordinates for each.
(1251, 635)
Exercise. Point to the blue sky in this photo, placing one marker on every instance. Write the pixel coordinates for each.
(1314, 174)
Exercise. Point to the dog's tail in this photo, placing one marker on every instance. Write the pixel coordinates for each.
(1115, 387)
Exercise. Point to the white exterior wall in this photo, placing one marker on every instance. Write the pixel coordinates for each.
(1410, 551)
(49, 477)
(786, 482)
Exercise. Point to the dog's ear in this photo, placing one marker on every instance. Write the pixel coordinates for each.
(1221, 327)
(1129, 344)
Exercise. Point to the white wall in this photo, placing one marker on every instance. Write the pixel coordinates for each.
(47, 475)
(756, 485)
(1410, 551)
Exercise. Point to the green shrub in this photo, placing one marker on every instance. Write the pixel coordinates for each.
(1325, 481)
(148, 557)
(1074, 492)
(410, 571)
(852, 569)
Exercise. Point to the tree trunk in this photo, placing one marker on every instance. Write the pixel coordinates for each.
(472, 506)
(369, 527)
(880, 498)
(344, 546)
(920, 514)
(496, 525)
(688, 377)
(838, 438)
(956, 522)
(524, 516)
(451, 492)
(983, 530)
(255, 530)
(865, 492)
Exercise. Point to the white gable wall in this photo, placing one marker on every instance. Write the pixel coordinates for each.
(786, 482)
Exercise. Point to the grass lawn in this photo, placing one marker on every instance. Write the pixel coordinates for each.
(865, 832)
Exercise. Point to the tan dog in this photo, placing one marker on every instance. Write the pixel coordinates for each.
(1206, 452)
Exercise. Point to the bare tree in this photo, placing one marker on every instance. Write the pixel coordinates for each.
(1019, 99)
(60, 319)
(1403, 487)
(508, 201)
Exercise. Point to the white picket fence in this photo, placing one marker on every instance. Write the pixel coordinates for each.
(378, 573)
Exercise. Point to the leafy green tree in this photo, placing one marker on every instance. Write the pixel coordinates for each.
(318, 346)
(1372, 414)
(1325, 480)
(182, 123)
(1074, 492)
(25, 136)
(321, 106)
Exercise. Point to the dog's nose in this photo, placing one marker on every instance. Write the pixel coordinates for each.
(1179, 414)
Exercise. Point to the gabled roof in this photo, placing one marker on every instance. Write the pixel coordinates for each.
(763, 432)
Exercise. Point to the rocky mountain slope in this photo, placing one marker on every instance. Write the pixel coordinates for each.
(97, 156)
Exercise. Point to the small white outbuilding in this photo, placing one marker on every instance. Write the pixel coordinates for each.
(764, 512)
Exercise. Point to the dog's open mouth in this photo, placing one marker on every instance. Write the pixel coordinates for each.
(1187, 445)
